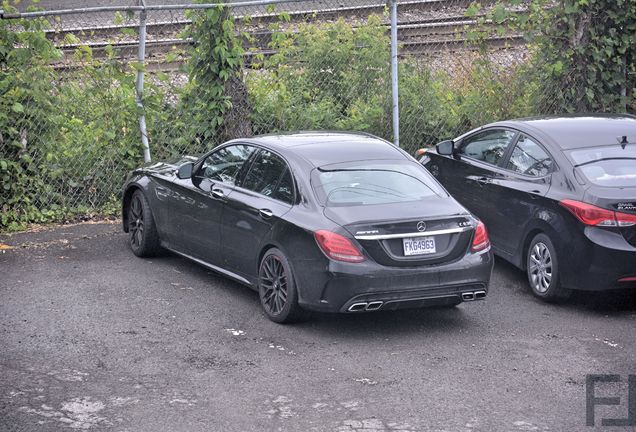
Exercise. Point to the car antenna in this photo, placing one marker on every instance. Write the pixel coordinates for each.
(622, 141)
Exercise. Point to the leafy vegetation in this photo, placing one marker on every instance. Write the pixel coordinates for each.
(585, 50)
(68, 139)
(334, 77)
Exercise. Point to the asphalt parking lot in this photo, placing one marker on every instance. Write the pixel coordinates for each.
(94, 338)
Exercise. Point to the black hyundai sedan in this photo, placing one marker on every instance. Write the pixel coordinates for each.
(334, 222)
(558, 196)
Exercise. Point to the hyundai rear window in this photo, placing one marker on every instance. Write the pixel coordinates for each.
(611, 166)
(373, 183)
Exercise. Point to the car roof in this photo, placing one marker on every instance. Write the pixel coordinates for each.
(578, 131)
(321, 148)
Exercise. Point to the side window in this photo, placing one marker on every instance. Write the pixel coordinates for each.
(270, 176)
(285, 189)
(529, 158)
(488, 146)
(224, 165)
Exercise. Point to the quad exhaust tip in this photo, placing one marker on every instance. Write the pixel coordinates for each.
(377, 305)
(373, 306)
(357, 307)
(473, 295)
(365, 306)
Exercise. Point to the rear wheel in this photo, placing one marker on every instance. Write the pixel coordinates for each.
(542, 267)
(142, 232)
(277, 288)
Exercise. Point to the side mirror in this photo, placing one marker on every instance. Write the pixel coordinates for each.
(446, 148)
(185, 170)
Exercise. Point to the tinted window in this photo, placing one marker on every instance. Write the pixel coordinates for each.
(529, 158)
(373, 183)
(612, 173)
(488, 146)
(270, 176)
(612, 166)
(224, 165)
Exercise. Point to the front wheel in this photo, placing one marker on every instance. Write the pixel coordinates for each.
(142, 232)
(277, 288)
(542, 267)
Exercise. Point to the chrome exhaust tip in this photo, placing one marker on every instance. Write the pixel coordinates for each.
(479, 295)
(373, 306)
(357, 307)
(468, 296)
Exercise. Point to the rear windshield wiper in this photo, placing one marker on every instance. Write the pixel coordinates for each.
(603, 159)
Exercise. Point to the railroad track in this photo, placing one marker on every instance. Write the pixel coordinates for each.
(178, 20)
(417, 36)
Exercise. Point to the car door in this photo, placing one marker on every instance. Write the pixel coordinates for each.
(478, 158)
(204, 198)
(519, 189)
(264, 195)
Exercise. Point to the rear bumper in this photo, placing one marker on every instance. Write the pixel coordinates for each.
(340, 285)
(597, 262)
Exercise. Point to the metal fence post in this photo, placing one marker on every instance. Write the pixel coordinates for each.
(140, 81)
(394, 74)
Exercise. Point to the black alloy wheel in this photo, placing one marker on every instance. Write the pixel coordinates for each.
(143, 236)
(277, 289)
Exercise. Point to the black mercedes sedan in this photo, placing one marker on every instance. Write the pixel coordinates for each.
(558, 196)
(323, 221)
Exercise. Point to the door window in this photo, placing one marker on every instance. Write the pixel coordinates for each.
(488, 146)
(269, 175)
(529, 158)
(224, 165)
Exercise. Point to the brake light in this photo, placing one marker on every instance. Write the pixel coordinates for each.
(596, 216)
(625, 220)
(338, 247)
(481, 240)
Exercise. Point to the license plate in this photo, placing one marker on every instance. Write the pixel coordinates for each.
(419, 246)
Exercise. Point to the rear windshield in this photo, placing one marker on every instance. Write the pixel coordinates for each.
(362, 183)
(611, 166)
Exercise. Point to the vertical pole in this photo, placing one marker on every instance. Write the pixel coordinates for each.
(140, 82)
(624, 84)
(394, 74)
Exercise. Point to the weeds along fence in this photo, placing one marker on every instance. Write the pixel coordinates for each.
(86, 95)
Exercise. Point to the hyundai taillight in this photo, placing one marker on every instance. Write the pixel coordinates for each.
(596, 216)
(338, 247)
(625, 220)
(480, 239)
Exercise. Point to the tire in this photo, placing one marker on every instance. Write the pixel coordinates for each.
(542, 267)
(277, 289)
(142, 232)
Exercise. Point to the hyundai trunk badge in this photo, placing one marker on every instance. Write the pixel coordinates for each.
(421, 226)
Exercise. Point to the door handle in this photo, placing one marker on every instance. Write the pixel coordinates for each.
(217, 193)
(534, 194)
(266, 213)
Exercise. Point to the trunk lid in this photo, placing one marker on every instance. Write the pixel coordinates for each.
(381, 229)
(618, 199)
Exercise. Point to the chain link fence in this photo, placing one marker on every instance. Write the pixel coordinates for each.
(82, 105)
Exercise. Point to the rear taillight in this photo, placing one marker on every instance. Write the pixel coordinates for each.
(596, 216)
(480, 239)
(625, 220)
(338, 247)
